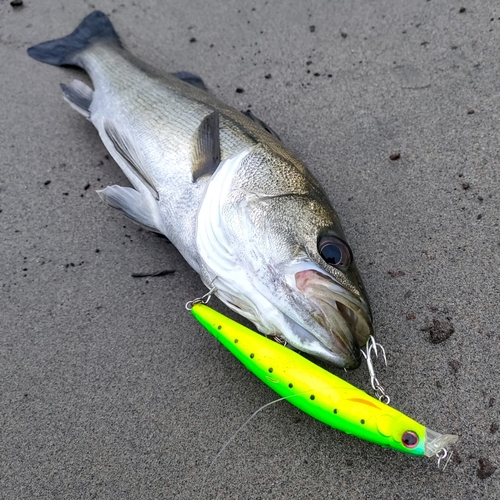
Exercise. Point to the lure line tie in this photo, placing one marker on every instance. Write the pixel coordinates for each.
(441, 455)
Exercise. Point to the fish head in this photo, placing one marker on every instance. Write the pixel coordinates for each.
(272, 246)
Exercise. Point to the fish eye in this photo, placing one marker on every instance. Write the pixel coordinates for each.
(334, 251)
(410, 439)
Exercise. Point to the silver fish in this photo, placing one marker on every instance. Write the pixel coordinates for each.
(243, 211)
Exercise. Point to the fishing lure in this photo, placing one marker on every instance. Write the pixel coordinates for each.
(321, 394)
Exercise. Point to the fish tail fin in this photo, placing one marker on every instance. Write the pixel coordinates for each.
(96, 27)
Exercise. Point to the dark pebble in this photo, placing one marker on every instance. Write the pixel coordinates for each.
(268, 76)
(470, 112)
(239, 90)
(395, 156)
(16, 3)
(461, 10)
(465, 185)
(97, 250)
(440, 330)
(456, 457)
(86, 186)
(343, 34)
(491, 402)
(316, 74)
(396, 274)
(312, 28)
(192, 40)
(486, 468)
(480, 216)
(494, 428)
(46, 183)
(454, 365)
(349, 462)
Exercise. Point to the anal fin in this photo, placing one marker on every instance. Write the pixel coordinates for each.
(139, 207)
(126, 149)
(79, 96)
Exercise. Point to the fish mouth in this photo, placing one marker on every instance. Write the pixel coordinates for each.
(338, 322)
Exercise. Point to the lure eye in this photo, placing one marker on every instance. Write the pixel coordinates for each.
(409, 439)
(334, 251)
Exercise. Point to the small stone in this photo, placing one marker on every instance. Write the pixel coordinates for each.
(470, 112)
(268, 76)
(312, 28)
(192, 40)
(343, 34)
(440, 330)
(454, 365)
(16, 3)
(395, 156)
(486, 468)
(465, 186)
(462, 10)
(396, 274)
(494, 427)
(46, 183)
(239, 90)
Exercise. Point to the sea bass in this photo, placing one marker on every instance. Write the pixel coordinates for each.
(244, 212)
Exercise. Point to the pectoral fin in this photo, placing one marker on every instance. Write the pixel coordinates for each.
(127, 150)
(140, 207)
(206, 147)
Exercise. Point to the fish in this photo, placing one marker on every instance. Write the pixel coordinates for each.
(242, 209)
(320, 393)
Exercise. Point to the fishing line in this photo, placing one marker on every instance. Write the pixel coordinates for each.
(231, 439)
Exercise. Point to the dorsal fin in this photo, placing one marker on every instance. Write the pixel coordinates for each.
(206, 147)
(264, 125)
(191, 78)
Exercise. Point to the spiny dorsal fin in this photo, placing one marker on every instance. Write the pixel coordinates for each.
(264, 125)
(191, 78)
(79, 96)
(206, 147)
(127, 150)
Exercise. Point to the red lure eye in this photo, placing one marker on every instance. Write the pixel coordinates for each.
(410, 439)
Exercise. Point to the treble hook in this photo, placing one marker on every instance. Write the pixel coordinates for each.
(371, 348)
(441, 455)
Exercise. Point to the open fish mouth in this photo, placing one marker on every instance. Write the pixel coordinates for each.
(341, 321)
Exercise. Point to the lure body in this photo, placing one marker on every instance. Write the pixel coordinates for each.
(318, 392)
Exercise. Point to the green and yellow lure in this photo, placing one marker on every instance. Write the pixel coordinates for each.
(319, 393)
